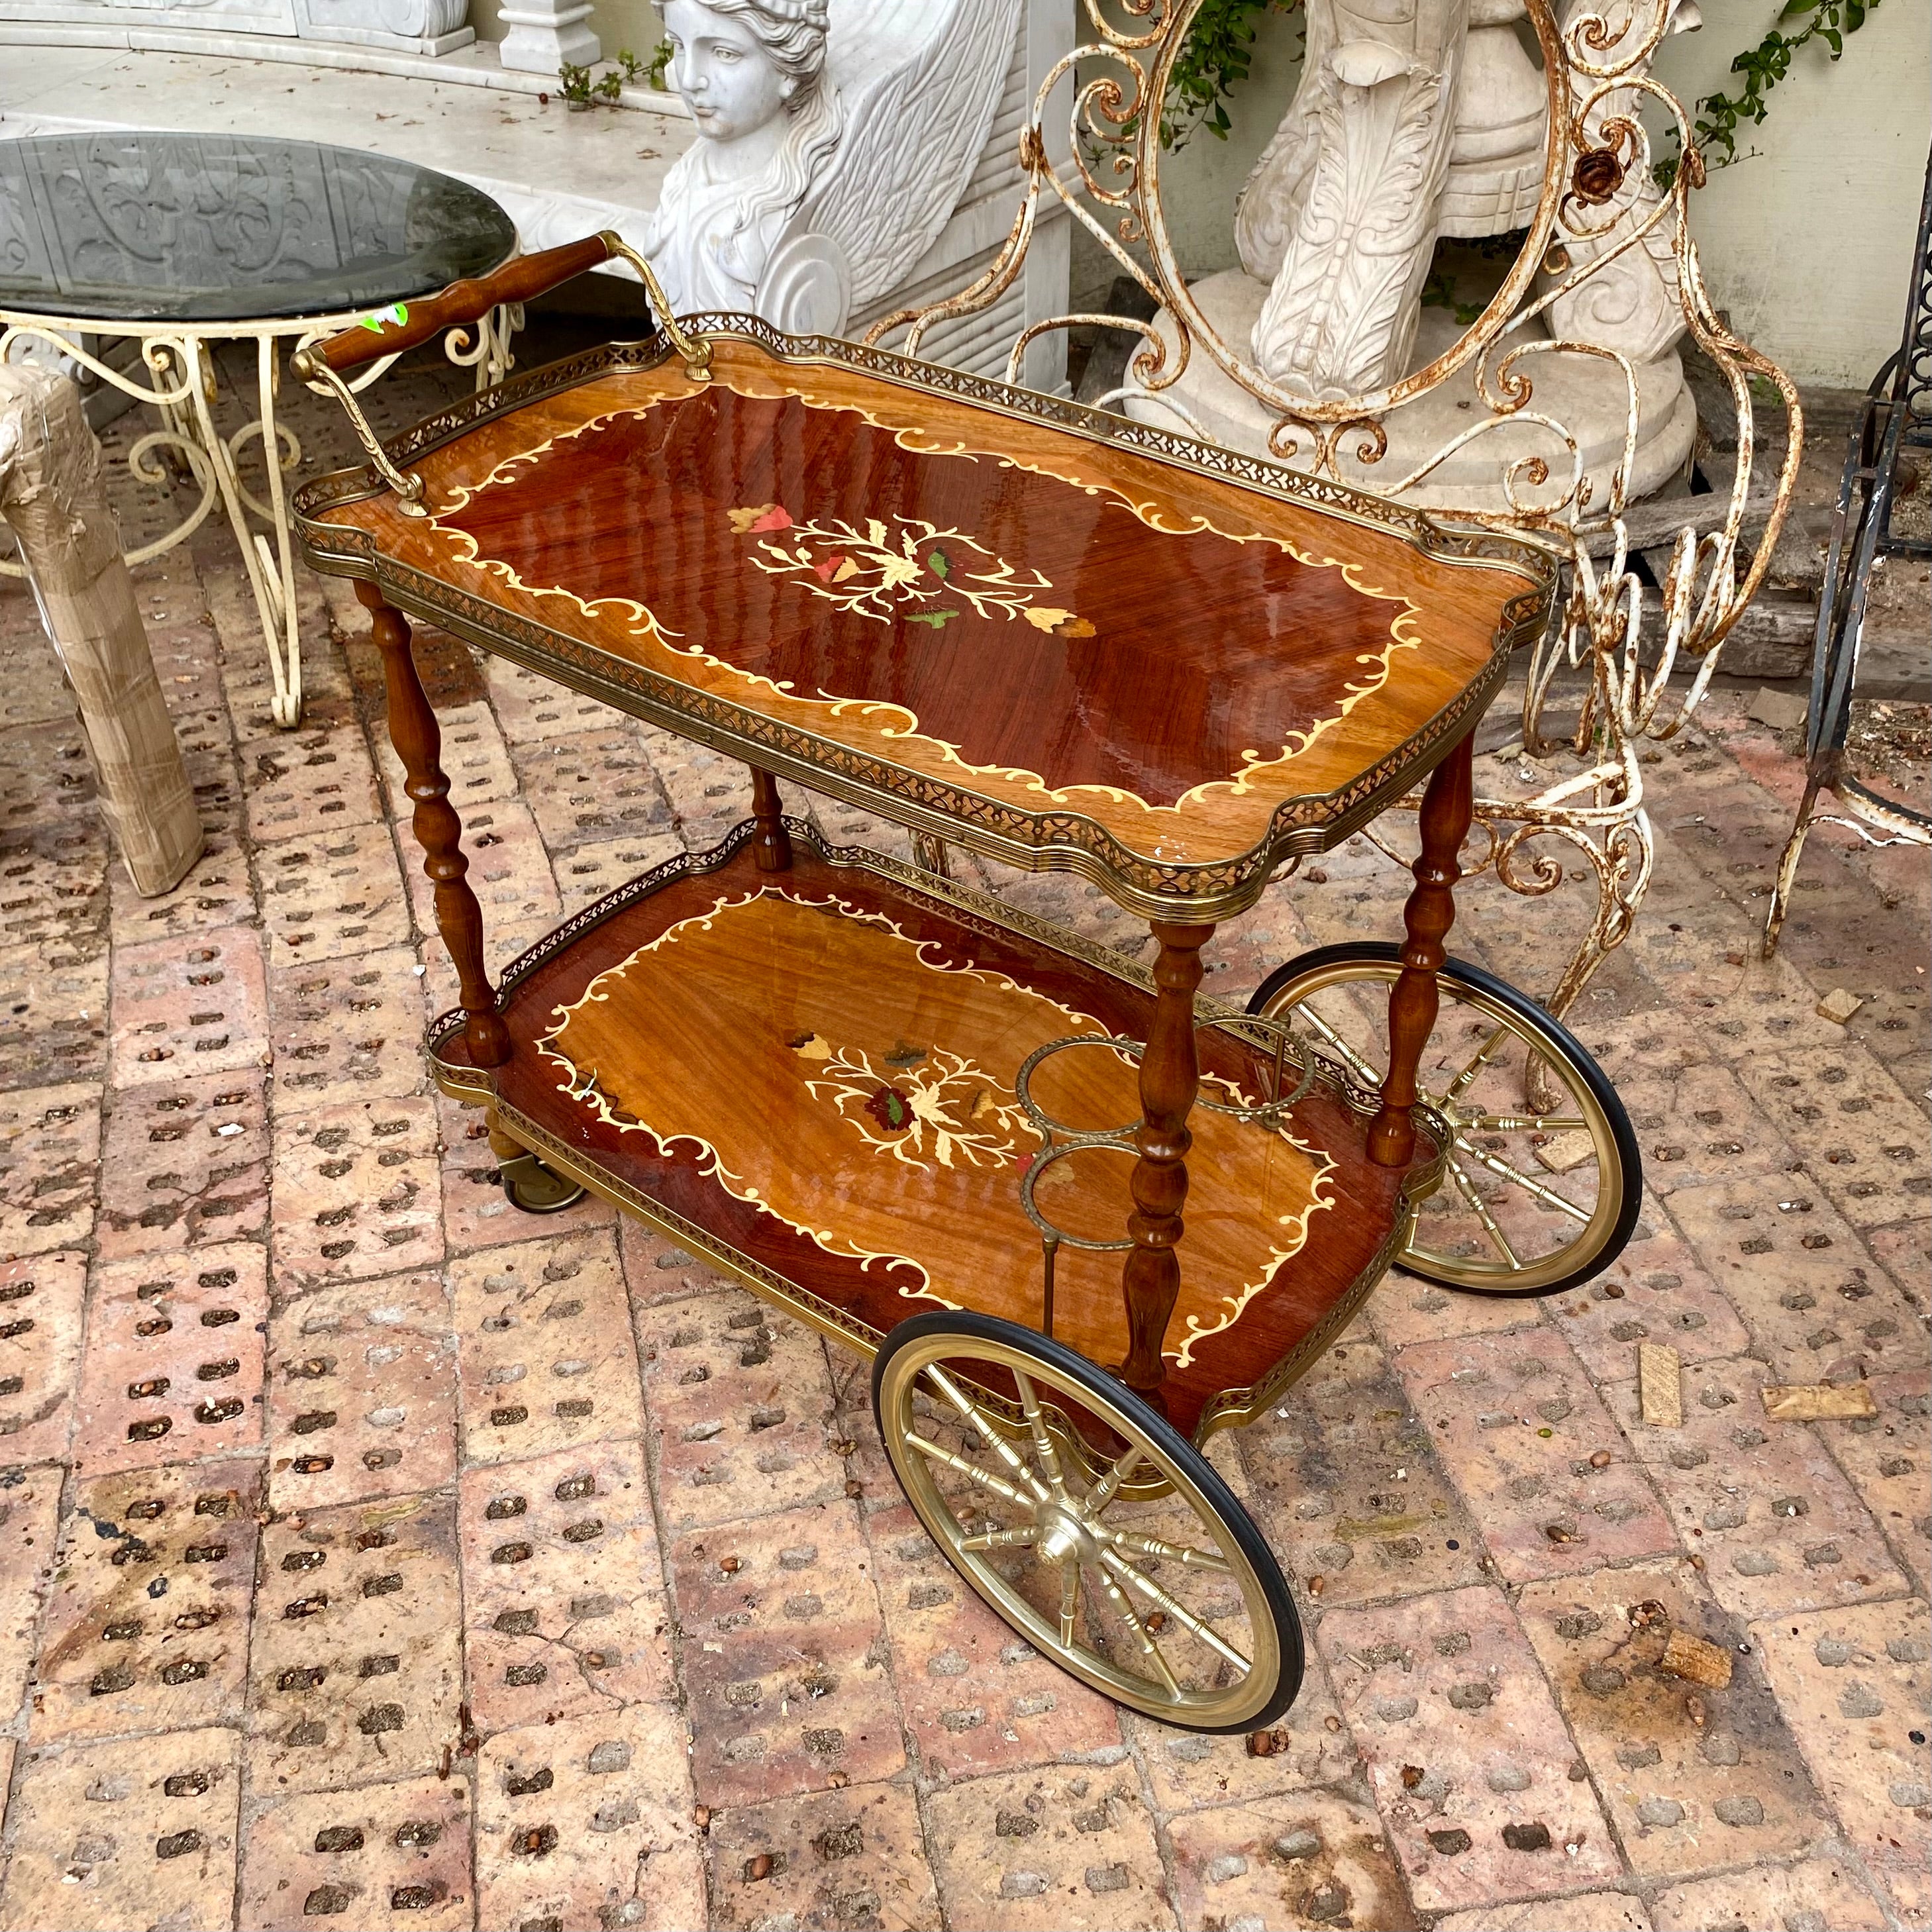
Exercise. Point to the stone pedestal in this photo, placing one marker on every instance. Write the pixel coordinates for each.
(1495, 160)
(544, 34)
(1584, 393)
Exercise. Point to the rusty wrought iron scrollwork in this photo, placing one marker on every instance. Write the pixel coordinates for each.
(1648, 656)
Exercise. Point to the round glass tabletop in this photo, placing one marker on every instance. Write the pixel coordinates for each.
(141, 226)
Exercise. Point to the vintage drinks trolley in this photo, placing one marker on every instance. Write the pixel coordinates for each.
(941, 1132)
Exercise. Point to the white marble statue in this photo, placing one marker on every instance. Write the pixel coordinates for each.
(835, 137)
(752, 73)
(1417, 120)
(1339, 214)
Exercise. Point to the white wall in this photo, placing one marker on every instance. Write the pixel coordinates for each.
(1807, 241)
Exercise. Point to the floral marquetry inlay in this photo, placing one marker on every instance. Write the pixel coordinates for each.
(838, 1074)
(1008, 619)
(879, 571)
(1207, 676)
(935, 1106)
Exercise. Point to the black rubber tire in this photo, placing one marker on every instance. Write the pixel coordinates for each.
(1106, 1388)
(1562, 1045)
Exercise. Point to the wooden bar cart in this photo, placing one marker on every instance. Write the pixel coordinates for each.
(990, 1155)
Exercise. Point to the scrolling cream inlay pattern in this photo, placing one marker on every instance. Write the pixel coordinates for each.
(746, 379)
(912, 1148)
(1214, 863)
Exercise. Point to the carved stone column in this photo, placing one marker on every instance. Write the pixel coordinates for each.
(1351, 184)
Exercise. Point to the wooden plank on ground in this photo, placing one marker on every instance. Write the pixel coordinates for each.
(1692, 1658)
(1659, 1385)
(1818, 1401)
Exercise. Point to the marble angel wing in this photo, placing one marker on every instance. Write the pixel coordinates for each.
(920, 81)
(1271, 198)
(1341, 315)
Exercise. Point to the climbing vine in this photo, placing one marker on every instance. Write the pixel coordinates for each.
(1720, 116)
(1219, 51)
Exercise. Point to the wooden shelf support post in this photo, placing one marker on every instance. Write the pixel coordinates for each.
(1170, 1077)
(771, 844)
(439, 831)
(1427, 919)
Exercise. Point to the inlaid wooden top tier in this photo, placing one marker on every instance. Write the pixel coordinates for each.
(967, 606)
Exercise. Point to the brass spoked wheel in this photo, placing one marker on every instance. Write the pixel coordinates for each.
(1172, 1606)
(1531, 1202)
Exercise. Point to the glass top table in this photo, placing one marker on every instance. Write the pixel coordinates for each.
(179, 241)
(143, 226)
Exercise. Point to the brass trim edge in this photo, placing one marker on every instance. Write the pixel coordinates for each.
(1210, 890)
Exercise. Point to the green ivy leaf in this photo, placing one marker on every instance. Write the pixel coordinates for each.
(1217, 53)
(1763, 67)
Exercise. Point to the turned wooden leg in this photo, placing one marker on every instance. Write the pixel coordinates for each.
(1170, 1075)
(412, 730)
(771, 845)
(1427, 917)
(501, 1144)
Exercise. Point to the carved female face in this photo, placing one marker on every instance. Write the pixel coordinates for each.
(731, 85)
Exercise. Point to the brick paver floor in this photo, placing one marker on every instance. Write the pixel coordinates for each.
(300, 1621)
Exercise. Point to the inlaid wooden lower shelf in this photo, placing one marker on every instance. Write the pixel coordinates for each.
(810, 1077)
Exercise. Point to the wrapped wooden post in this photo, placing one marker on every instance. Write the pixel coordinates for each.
(54, 495)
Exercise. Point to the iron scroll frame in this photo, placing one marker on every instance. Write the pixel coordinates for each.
(1591, 212)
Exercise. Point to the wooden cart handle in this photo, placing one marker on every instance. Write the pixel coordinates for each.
(389, 333)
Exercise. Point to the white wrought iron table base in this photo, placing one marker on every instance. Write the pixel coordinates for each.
(179, 357)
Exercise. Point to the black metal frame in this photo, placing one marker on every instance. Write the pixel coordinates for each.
(1897, 416)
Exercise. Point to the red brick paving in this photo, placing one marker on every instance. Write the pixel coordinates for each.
(361, 1391)
(185, 1163)
(387, 1857)
(173, 1367)
(348, 1724)
(41, 1316)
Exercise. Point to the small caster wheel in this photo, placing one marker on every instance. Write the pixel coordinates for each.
(536, 1188)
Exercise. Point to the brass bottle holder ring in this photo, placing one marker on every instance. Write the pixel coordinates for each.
(1063, 1140)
